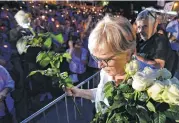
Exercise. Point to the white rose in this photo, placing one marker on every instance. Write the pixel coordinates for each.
(174, 80)
(22, 19)
(164, 73)
(141, 82)
(173, 94)
(156, 90)
(151, 72)
(132, 67)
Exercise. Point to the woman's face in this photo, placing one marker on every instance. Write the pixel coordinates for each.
(112, 63)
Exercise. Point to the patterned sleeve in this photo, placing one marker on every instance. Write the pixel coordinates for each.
(7, 78)
(142, 65)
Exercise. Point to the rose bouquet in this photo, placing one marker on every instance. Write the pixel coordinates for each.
(148, 96)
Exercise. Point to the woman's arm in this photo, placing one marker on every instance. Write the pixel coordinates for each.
(84, 93)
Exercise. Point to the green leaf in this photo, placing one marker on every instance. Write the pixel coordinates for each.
(45, 62)
(143, 96)
(173, 112)
(108, 89)
(143, 114)
(159, 117)
(151, 107)
(68, 82)
(58, 38)
(32, 73)
(125, 88)
(40, 56)
(67, 56)
(131, 110)
(48, 42)
(57, 64)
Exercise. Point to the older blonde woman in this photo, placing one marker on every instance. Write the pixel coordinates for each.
(111, 43)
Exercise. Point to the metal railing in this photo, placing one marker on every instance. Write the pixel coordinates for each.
(43, 110)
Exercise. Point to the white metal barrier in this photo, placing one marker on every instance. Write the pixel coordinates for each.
(91, 80)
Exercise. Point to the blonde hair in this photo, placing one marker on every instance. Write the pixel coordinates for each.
(114, 32)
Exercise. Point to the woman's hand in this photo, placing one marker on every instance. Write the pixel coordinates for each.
(76, 92)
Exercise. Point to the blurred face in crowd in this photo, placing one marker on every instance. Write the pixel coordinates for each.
(78, 44)
(145, 29)
(112, 63)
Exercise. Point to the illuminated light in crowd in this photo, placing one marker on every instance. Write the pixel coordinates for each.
(43, 16)
(7, 16)
(21, 7)
(83, 12)
(130, 20)
(5, 46)
(78, 31)
(46, 12)
(95, 12)
(117, 15)
(53, 19)
(57, 25)
(46, 6)
(23, 2)
(7, 9)
(2, 27)
(175, 5)
(73, 21)
(32, 6)
(50, 10)
(100, 14)
(2, 8)
(37, 18)
(136, 12)
(62, 15)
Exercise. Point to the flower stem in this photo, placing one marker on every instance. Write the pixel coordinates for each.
(79, 112)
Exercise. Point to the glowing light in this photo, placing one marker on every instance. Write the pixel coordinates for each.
(43, 16)
(62, 15)
(57, 25)
(5, 46)
(32, 6)
(46, 6)
(175, 5)
(7, 9)
(50, 10)
(53, 19)
(21, 7)
(2, 8)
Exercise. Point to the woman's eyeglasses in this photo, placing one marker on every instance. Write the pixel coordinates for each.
(105, 61)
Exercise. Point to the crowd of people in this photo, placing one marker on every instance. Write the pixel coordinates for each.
(151, 47)
(73, 22)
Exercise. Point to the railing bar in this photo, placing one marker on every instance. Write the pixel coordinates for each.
(88, 84)
(85, 81)
(81, 98)
(55, 101)
(43, 109)
(66, 105)
(93, 81)
(57, 112)
(45, 117)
